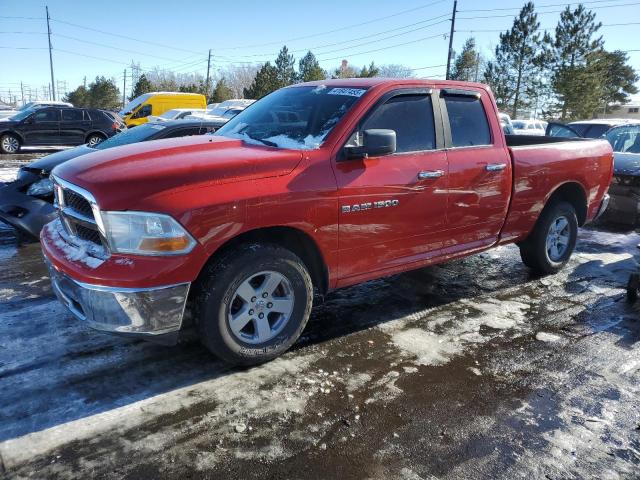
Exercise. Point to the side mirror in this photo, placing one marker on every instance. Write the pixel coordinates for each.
(376, 142)
(28, 121)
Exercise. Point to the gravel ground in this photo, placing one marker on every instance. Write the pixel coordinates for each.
(473, 369)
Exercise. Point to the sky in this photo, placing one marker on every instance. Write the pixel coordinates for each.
(103, 38)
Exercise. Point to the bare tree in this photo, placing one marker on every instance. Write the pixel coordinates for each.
(238, 77)
(394, 70)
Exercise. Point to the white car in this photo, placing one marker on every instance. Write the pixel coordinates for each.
(529, 127)
(219, 120)
(36, 104)
(176, 114)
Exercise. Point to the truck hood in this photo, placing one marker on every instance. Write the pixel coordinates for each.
(626, 164)
(121, 177)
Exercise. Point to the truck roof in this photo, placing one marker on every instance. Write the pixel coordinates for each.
(375, 81)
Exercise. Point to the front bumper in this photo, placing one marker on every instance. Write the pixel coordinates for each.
(625, 205)
(154, 314)
(24, 212)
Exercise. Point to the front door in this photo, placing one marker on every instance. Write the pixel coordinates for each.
(479, 170)
(43, 127)
(392, 208)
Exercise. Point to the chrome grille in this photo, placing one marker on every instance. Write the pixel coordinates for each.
(76, 211)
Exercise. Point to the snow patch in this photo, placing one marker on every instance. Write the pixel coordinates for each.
(8, 174)
(80, 253)
(428, 348)
(547, 337)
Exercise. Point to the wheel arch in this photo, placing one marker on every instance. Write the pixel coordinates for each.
(14, 133)
(92, 132)
(573, 193)
(294, 239)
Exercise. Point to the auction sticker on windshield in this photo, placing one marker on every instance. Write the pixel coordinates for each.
(351, 92)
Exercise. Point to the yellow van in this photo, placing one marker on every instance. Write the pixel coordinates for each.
(138, 110)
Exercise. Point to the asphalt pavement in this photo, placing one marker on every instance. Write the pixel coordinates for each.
(472, 369)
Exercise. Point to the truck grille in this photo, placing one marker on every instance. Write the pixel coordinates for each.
(74, 206)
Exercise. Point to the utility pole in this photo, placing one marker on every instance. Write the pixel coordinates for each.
(53, 88)
(124, 87)
(208, 69)
(453, 25)
(22, 91)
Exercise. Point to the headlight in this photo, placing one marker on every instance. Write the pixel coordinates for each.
(142, 233)
(41, 188)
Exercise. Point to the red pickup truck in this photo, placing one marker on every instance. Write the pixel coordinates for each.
(315, 187)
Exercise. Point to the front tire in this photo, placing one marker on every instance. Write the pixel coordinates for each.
(9, 143)
(252, 304)
(553, 239)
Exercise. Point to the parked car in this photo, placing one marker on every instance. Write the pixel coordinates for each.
(32, 105)
(625, 186)
(57, 126)
(585, 128)
(176, 114)
(507, 126)
(140, 108)
(528, 127)
(218, 120)
(27, 203)
(366, 180)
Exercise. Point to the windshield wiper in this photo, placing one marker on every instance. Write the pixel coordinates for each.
(268, 143)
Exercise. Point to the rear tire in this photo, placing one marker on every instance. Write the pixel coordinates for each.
(252, 303)
(9, 143)
(553, 239)
(94, 139)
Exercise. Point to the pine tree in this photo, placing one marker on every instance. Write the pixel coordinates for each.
(221, 93)
(103, 93)
(285, 70)
(618, 77)
(265, 82)
(467, 65)
(309, 69)
(143, 85)
(517, 68)
(78, 97)
(371, 71)
(568, 53)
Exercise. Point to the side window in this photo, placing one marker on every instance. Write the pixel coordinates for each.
(145, 111)
(411, 117)
(70, 115)
(47, 115)
(469, 125)
(86, 115)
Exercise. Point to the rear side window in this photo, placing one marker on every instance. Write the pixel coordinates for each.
(70, 115)
(411, 117)
(469, 126)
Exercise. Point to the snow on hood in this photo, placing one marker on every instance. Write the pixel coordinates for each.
(122, 177)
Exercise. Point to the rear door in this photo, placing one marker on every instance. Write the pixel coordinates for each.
(43, 127)
(392, 208)
(479, 169)
(73, 126)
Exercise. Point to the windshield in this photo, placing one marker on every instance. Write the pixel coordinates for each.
(296, 117)
(625, 139)
(519, 125)
(22, 115)
(134, 103)
(132, 135)
(170, 114)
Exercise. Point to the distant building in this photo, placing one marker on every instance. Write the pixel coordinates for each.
(630, 110)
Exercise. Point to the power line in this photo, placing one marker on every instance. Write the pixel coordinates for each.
(346, 27)
(546, 28)
(444, 35)
(551, 11)
(537, 6)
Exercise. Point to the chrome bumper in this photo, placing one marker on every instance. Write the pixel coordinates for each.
(152, 313)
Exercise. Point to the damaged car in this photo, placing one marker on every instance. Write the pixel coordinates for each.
(27, 203)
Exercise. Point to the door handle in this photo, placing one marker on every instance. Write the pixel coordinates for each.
(495, 167)
(430, 174)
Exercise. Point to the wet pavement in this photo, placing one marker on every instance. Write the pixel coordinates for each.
(472, 369)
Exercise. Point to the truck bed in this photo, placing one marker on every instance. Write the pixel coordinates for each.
(541, 165)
